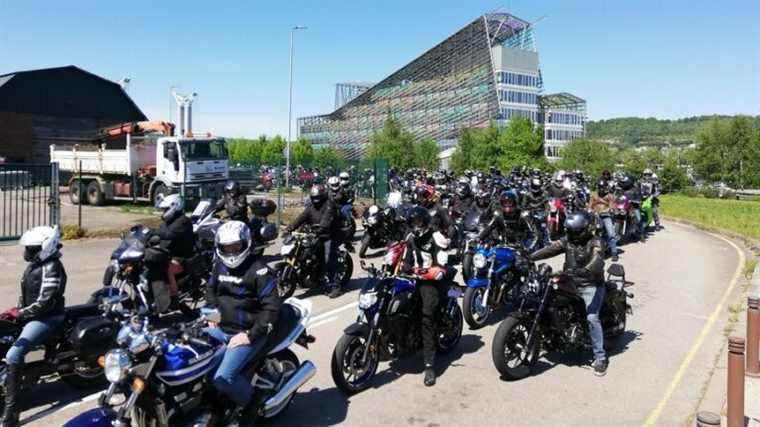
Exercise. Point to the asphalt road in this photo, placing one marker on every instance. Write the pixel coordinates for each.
(681, 276)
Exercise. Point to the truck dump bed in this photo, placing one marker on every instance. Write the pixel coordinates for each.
(104, 161)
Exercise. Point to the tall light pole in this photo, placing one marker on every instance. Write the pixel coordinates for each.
(290, 108)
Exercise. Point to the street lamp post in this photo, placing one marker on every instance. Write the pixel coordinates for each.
(290, 108)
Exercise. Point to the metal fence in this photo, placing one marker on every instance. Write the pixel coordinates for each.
(28, 198)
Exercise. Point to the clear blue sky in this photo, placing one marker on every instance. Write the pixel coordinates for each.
(665, 59)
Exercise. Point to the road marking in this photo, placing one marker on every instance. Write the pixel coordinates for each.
(335, 311)
(322, 322)
(657, 411)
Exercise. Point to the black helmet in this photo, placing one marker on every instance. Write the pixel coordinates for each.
(483, 199)
(625, 182)
(232, 187)
(579, 227)
(536, 185)
(463, 190)
(318, 194)
(602, 188)
(419, 220)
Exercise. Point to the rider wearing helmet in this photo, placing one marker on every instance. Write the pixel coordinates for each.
(176, 234)
(233, 201)
(507, 224)
(584, 263)
(322, 214)
(40, 308)
(557, 187)
(426, 197)
(426, 255)
(533, 199)
(648, 176)
(342, 196)
(244, 291)
(602, 204)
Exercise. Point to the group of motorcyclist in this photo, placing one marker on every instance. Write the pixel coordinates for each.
(243, 288)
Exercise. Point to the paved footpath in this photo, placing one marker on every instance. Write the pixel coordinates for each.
(683, 279)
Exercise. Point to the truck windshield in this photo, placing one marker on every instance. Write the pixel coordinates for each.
(214, 149)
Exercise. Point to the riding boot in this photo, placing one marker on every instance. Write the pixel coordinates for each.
(12, 390)
(429, 372)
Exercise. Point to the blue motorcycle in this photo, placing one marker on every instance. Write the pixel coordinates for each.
(497, 274)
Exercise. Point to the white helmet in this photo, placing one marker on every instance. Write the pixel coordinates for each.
(394, 200)
(333, 183)
(233, 243)
(345, 179)
(40, 243)
(170, 205)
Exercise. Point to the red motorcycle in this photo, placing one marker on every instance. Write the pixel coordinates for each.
(266, 180)
(555, 220)
(623, 217)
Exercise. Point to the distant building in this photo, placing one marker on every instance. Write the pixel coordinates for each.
(62, 106)
(487, 71)
(564, 118)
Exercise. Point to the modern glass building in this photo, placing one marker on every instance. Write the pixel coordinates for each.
(487, 71)
(563, 116)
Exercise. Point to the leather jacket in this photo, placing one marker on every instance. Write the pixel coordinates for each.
(584, 262)
(235, 206)
(42, 288)
(325, 218)
(177, 236)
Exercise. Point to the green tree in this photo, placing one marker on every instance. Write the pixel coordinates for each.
(462, 157)
(672, 173)
(328, 156)
(302, 153)
(426, 154)
(587, 155)
(273, 152)
(393, 144)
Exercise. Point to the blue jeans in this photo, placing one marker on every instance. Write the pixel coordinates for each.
(612, 237)
(34, 334)
(640, 222)
(229, 378)
(593, 296)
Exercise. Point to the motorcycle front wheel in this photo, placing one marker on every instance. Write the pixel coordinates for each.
(286, 285)
(350, 373)
(476, 310)
(450, 328)
(511, 355)
(345, 269)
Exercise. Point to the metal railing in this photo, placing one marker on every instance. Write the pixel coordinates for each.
(28, 198)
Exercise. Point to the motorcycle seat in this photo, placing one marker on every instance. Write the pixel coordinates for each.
(82, 310)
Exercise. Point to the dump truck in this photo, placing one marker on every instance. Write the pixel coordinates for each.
(152, 164)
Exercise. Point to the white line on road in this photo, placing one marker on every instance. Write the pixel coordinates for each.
(657, 411)
(335, 311)
(322, 322)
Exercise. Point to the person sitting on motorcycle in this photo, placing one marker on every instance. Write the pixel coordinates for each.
(40, 308)
(605, 180)
(651, 177)
(341, 196)
(557, 188)
(233, 202)
(584, 263)
(426, 257)
(507, 223)
(425, 196)
(633, 192)
(463, 201)
(322, 214)
(176, 234)
(534, 199)
(602, 204)
(244, 291)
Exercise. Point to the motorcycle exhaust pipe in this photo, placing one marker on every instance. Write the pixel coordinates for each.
(304, 373)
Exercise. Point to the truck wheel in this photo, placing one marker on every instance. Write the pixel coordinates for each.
(95, 195)
(75, 192)
(160, 189)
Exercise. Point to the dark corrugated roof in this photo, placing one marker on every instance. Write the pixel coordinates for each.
(66, 92)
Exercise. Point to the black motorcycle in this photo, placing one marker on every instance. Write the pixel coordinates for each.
(552, 317)
(380, 228)
(302, 267)
(387, 328)
(71, 352)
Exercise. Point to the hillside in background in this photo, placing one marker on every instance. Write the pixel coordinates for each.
(636, 131)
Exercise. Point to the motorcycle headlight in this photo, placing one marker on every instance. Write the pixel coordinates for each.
(479, 260)
(116, 365)
(367, 300)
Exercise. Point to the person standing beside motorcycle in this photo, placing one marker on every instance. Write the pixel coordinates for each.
(40, 308)
(602, 204)
(243, 289)
(584, 263)
(322, 213)
(234, 202)
(650, 177)
(426, 257)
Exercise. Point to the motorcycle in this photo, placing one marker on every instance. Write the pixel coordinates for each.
(71, 352)
(387, 328)
(301, 266)
(623, 218)
(497, 277)
(555, 219)
(165, 375)
(380, 228)
(552, 317)
(647, 209)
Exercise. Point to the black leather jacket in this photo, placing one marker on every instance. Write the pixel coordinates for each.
(177, 236)
(533, 201)
(324, 217)
(246, 298)
(235, 206)
(42, 287)
(584, 262)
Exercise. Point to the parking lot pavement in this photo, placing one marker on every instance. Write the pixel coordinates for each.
(680, 276)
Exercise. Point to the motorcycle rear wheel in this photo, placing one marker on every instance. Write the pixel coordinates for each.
(510, 356)
(346, 361)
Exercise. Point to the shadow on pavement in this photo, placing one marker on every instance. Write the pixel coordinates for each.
(583, 358)
(44, 399)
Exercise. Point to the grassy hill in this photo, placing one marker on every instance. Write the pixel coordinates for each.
(636, 131)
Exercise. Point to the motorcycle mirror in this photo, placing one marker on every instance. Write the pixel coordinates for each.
(616, 270)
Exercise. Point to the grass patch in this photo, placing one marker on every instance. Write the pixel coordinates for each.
(72, 232)
(749, 268)
(739, 216)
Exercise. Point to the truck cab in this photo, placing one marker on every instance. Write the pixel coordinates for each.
(194, 162)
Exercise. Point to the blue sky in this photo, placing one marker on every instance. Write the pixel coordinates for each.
(664, 59)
